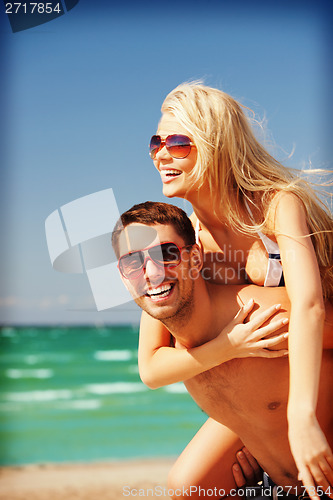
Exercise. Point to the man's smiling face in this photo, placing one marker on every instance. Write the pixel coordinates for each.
(160, 291)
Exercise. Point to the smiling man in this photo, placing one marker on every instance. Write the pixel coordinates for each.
(246, 398)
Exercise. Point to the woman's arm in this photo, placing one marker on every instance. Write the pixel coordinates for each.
(308, 444)
(160, 364)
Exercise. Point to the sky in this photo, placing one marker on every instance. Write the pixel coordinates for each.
(81, 97)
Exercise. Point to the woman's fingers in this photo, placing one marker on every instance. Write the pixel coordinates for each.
(319, 475)
(266, 353)
(271, 328)
(267, 343)
(244, 311)
(263, 346)
(263, 316)
(323, 474)
(308, 482)
(327, 468)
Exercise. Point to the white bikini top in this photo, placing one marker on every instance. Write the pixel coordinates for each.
(274, 274)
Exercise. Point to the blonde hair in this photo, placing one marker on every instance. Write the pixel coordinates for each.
(240, 171)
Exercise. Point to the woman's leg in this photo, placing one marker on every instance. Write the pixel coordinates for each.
(206, 463)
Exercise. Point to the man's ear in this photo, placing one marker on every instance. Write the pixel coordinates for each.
(196, 257)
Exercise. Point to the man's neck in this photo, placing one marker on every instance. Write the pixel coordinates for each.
(200, 325)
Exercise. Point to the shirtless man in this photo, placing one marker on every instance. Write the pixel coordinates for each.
(246, 399)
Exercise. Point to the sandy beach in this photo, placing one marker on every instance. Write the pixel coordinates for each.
(96, 481)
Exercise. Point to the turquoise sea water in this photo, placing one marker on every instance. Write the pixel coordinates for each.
(74, 394)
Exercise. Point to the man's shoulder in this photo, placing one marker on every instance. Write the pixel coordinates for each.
(261, 293)
(264, 296)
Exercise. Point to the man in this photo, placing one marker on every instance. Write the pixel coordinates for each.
(245, 398)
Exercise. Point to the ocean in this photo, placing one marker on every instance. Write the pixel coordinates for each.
(73, 394)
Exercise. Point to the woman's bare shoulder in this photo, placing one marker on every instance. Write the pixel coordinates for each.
(281, 205)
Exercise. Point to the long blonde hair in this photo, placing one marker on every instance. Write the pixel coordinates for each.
(239, 170)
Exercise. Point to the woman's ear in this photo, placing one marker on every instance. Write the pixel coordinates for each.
(196, 257)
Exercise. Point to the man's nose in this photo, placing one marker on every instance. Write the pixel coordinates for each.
(152, 272)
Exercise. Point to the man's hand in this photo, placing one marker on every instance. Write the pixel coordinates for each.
(247, 471)
(312, 455)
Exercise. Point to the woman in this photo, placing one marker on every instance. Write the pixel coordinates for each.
(257, 222)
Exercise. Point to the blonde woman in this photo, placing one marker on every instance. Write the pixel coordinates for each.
(257, 222)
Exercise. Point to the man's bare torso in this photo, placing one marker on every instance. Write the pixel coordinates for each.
(250, 395)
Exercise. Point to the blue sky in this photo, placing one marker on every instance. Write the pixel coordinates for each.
(83, 96)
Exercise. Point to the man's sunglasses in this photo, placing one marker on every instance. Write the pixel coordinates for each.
(164, 255)
(178, 146)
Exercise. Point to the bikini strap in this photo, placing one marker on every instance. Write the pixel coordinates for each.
(197, 229)
(274, 273)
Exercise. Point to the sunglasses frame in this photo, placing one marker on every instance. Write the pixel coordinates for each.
(148, 257)
(164, 143)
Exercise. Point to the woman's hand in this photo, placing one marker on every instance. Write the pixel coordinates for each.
(161, 364)
(249, 339)
(312, 455)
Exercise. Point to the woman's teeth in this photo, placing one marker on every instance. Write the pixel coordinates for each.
(173, 173)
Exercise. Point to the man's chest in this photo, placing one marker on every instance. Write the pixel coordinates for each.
(242, 391)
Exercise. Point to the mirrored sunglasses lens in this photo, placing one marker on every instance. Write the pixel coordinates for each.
(179, 146)
(167, 253)
(130, 265)
(154, 146)
(171, 253)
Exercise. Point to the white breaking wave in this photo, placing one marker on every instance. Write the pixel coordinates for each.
(70, 395)
(178, 388)
(73, 397)
(80, 404)
(38, 396)
(55, 357)
(116, 388)
(120, 355)
(29, 373)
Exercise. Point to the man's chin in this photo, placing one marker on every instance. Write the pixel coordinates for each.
(157, 310)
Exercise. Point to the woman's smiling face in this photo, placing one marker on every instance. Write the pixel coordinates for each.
(175, 173)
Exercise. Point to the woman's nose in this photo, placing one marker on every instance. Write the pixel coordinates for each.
(162, 154)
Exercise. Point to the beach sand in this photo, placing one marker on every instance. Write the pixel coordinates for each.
(96, 481)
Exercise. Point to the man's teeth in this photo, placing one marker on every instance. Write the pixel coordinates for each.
(172, 172)
(161, 291)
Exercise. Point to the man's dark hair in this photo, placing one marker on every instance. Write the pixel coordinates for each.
(151, 213)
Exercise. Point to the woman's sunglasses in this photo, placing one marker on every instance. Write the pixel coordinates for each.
(178, 146)
(165, 255)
